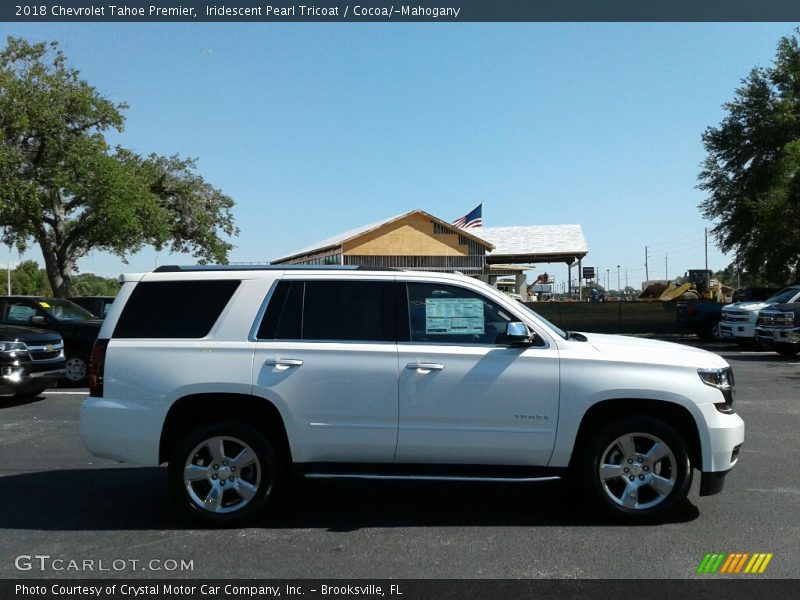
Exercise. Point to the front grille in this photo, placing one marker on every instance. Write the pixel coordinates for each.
(735, 453)
(735, 318)
(776, 320)
(47, 351)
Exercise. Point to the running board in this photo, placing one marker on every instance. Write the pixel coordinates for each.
(430, 477)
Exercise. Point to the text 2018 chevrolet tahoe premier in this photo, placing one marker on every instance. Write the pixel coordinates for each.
(239, 377)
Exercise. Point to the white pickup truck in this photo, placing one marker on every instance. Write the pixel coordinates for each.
(739, 319)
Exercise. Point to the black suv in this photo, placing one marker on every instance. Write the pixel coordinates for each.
(31, 360)
(77, 326)
(97, 305)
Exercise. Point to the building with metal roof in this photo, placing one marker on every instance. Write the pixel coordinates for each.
(532, 244)
(415, 240)
(535, 244)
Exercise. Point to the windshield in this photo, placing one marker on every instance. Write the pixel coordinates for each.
(784, 295)
(64, 310)
(560, 332)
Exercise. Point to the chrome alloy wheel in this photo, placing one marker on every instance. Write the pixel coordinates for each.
(222, 474)
(638, 471)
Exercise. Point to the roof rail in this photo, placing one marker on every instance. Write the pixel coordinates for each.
(205, 268)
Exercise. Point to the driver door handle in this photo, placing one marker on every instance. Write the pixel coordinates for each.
(283, 362)
(425, 366)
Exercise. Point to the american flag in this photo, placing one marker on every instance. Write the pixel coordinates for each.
(471, 219)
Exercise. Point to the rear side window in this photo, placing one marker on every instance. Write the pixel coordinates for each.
(331, 311)
(284, 315)
(174, 309)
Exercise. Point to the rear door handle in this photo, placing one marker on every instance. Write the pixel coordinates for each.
(425, 366)
(283, 362)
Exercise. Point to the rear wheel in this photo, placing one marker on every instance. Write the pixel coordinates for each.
(223, 474)
(636, 469)
(706, 332)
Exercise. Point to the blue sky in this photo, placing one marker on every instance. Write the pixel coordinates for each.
(314, 129)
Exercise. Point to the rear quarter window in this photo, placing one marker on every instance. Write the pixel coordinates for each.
(174, 309)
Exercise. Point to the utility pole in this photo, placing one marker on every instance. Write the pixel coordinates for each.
(666, 268)
(706, 248)
(617, 279)
(9, 270)
(646, 271)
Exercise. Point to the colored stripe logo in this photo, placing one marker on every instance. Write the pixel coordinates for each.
(734, 563)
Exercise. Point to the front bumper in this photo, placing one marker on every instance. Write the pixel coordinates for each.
(712, 483)
(722, 439)
(725, 439)
(778, 335)
(736, 329)
(18, 377)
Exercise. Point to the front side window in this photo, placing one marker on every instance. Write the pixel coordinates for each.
(331, 311)
(65, 310)
(453, 315)
(20, 313)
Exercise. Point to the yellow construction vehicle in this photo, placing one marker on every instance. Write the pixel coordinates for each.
(699, 286)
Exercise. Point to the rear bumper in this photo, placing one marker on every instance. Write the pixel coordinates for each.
(121, 430)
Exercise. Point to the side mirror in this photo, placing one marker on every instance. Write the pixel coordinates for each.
(516, 335)
(38, 320)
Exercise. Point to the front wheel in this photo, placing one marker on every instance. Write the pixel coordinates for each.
(77, 368)
(636, 469)
(223, 474)
(787, 349)
(31, 392)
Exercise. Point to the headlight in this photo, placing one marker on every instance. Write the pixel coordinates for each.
(722, 379)
(13, 346)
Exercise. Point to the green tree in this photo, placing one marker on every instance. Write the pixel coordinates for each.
(752, 170)
(731, 276)
(29, 280)
(89, 284)
(64, 188)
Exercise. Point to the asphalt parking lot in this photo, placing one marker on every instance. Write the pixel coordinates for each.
(58, 500)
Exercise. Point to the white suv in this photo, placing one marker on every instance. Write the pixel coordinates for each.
(240, 377)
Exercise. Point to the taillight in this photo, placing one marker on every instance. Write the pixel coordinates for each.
(97, 365)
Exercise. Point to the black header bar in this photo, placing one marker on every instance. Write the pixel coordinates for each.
(436, 11)
(744, 588)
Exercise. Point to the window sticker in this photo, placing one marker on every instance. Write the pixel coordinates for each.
(454, 315)
(44, 304)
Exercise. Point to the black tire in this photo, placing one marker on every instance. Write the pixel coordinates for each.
(613, 495)
(246, 491)
(30, 392)
(705, 332)
(787, 349)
